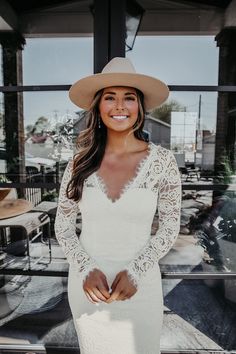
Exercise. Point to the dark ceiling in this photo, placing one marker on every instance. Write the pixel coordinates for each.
(45, 18)
(25, 5)
(216, 3)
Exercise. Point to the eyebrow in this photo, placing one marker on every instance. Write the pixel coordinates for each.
(113, 93)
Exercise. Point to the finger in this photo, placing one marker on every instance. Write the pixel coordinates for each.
(104, 292)
(99, 295)
(89, 297)
(126, 297)
(93, 296)
(115, 282)
(114, 296)
(104, 288)
(121, 296)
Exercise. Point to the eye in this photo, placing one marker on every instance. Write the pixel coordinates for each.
(131, 98)
(107, 98)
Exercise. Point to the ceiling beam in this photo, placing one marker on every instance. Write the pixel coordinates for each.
(181, 22)
(154, 22)
(230, 18)
(201, 3)
(51, 5)
(185, 3)
(8, 17)
(59, 24)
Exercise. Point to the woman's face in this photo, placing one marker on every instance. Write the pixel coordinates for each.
(119, 108)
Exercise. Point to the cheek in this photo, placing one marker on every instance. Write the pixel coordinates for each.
(132, 107)
(105, 107)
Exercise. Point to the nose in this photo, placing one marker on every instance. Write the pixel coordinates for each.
(120, 105)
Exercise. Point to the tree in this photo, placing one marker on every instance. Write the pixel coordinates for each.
(40, 126)
(164, 112)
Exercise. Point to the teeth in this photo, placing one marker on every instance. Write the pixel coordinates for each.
(119, 117)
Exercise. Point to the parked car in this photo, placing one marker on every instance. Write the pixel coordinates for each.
(30, 161)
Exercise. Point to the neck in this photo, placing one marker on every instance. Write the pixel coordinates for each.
(119, 142)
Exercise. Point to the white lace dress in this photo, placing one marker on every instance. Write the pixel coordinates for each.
(116, 235)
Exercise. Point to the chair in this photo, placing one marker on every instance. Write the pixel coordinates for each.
(29, 223)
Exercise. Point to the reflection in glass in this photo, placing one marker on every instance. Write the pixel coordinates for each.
(190, 122)
(49, 125)
(2, 140)
(198, 316)
(215, 229)
(36, 310)
(1, 73)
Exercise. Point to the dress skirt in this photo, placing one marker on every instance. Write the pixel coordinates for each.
(132, 326)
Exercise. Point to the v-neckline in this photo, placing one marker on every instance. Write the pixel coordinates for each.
(138, 170)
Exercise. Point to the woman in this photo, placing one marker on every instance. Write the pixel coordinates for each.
(117, 180)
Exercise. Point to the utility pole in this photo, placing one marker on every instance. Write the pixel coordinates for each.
(198, 141)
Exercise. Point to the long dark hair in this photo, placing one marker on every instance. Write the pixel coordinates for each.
(91, 144)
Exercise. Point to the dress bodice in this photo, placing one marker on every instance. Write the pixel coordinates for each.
(110, 225)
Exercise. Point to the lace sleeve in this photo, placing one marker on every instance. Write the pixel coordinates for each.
(169, 206)
(65, 229)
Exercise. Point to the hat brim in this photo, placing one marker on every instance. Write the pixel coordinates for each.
(83, 91)
(11, 207)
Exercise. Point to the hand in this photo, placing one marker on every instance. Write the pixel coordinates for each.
(96, 287)
(122, 287)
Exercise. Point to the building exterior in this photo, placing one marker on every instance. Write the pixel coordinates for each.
(201, 268)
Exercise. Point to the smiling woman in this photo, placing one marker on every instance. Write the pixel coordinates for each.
(119, 104)
(117, 180)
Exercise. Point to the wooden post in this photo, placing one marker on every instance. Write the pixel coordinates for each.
(226, 122)
(12, 45)
(109, 31)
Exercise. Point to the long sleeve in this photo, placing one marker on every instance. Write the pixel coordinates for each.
(65, 229)
(169, 207)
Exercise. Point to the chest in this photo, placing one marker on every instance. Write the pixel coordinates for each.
(116, 182)
(116, 172)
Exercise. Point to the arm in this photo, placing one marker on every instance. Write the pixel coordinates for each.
(65, 229)
(169, 207)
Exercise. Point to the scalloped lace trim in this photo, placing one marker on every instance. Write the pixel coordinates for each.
(139, 168)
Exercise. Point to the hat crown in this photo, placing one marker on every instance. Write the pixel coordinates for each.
(119, 65)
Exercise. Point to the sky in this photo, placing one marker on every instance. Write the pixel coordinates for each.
(177, 60)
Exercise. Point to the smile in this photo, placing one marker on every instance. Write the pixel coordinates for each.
(119, 117)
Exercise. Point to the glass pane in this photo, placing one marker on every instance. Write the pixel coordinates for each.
(186, 123)
(2, 139)
(36, 310)
(55, 61)
(50, 120)
(1, 72)
(199, 316)
(177, 60)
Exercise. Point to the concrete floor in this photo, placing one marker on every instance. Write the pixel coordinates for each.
(197, 317)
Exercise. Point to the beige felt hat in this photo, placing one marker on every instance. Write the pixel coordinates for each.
(119, 72)
(12, 207)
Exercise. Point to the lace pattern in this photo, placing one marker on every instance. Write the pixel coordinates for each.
(158, 172)
(102, 186)
(65, 229)
(163, 178)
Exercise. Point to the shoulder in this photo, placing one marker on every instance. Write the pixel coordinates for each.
(164, 162)
(68, 168)
(161, 153)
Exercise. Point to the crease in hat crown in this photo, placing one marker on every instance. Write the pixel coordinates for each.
(119, 72)
(119, 65)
